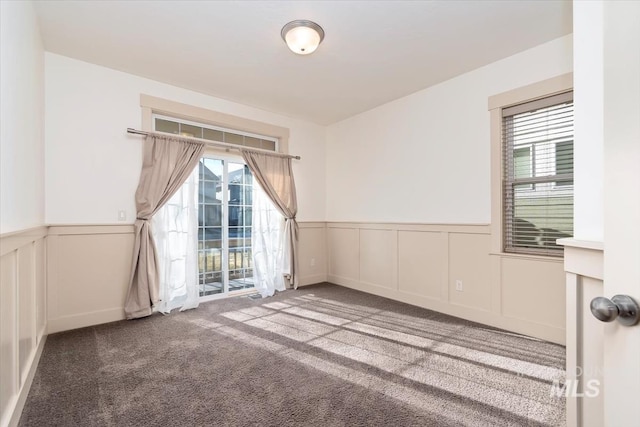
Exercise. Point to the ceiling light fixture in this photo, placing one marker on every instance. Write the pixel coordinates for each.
(303, 37)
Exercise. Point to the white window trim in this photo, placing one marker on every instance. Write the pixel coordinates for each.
(151, 105)
(213, 127)
(539, 90)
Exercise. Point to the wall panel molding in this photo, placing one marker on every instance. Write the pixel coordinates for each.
(312, 246)
(426, 261)
(89, 270)
(77, 276)
(88, 273)
(23, 288)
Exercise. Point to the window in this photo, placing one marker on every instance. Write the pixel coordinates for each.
(537, 181)
(225, 201)
(213, 133)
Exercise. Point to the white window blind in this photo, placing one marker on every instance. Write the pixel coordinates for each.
(538, 175)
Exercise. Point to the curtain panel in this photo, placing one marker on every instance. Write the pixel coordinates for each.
(275, 176)
(167, 163)
(175, 233)
(267, 244)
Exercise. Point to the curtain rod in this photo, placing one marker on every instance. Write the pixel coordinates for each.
(211, 143)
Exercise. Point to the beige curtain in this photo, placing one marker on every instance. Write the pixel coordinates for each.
(275, 176)
(167, 162)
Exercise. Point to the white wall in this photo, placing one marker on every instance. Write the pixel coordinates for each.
(21, 118)
(93, 166)
(588, 121)
(425, 157)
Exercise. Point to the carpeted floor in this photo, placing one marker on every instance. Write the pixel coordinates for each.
(320, 356)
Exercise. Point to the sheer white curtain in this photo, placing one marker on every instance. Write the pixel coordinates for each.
(267, 241)
(274, 173)
(175, 231)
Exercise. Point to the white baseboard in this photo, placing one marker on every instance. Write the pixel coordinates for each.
(312, 280)
(85, 319)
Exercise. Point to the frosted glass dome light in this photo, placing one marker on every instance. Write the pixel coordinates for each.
(302, 37)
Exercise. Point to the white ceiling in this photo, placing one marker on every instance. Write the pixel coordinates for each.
(373, 52)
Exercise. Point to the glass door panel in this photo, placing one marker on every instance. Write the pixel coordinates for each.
(240, 261)
(224, 233)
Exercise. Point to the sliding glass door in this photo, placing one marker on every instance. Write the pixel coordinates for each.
(224, 227)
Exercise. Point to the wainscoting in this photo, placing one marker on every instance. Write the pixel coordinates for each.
(88, 273)
(23, 315)
(422, 264)
(312, 252)
(89, 268)
(64, 277)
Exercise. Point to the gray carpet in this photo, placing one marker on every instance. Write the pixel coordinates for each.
(320, 356)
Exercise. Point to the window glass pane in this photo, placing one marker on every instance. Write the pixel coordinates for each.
(252, 142)
(213, 244)
(245, 216)
(564, 157)
(236, 171)
(211, 283)
(242, 237)
(240, 279)
(211, 169)
(522, 162)
(210, 260)
(208, 234)
(541, 217)
(210, 192)
(190, 130)
(268, 145)
(236, 234)
(248, 177)
(235, 216)
(247, 236)
(248, 195)
(166, 126)
(235, 194)
(213, 134)
(239, 258)
(212, 215)
(232, 138)
(241, 216)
